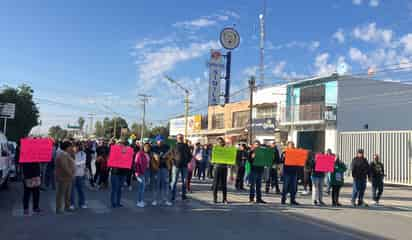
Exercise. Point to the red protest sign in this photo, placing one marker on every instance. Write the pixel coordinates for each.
(296, 157)
(120, 157)
(324, 163)
(36, 150)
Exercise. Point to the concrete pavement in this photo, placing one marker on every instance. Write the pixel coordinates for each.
(199, 219)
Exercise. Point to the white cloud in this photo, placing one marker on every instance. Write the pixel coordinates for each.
(339, 36)
(279, 68)
(313, 45)
(370, 33)
(146, 42)
(280, 72)
(207, 21)
(154, 63)
(357, 2)
(374, 3)
(322, 65)
(250, 71)
(356, 55)
(407, 43)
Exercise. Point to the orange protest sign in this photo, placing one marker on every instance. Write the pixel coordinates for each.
(296, 157)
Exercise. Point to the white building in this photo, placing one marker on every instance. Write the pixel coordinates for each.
(266, 112)
(318, 109)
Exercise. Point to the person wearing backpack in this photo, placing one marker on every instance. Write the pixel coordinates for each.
(337, 181)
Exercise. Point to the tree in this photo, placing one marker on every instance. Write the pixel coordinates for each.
(27, 113)
(99, 130)
(58, 133)
(136, 129)
(81, 122)
(159, 130)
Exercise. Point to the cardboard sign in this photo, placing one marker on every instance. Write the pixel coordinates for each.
(324, 163)
(36, 150)
(263, 157)
(296, 157)
(224, 155)
(120, 157)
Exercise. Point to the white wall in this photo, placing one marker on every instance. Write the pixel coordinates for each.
(331, 135)
(293, 136)
(382, 105)
(275, 94)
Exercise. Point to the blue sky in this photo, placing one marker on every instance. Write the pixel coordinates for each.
(96, 56)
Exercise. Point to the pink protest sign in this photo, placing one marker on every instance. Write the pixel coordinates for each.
(36, 150)
(325, 163)
(120, 157)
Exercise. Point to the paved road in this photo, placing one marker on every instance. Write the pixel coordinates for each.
(199, 219)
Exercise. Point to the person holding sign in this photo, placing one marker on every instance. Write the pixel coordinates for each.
(337, 181)
(220, 176)
(118, 173)
(31, 184)
(65, 170)
(256, 175)
(292, 164)
(318, 177)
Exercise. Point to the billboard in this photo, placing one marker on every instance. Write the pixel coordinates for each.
(7, 110)
(177, 125)
(264, 126)
(215, 74)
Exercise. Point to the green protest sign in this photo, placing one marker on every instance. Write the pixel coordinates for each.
(224, 155)
(171, 142)
(263, 157)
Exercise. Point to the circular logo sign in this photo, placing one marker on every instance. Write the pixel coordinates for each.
(229, 38)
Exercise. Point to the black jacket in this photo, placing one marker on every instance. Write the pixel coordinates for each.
(276, 157)
(252, 160)
(242, 157)
(376, 170)
(360, 168)
(31, 170)
(182, 155)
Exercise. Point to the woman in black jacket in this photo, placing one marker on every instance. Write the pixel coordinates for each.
(31, 184)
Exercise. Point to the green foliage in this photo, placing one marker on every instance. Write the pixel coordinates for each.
(58, 133)
(106, 128)
(27, 113)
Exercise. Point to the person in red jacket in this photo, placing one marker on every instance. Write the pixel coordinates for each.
(142, 168)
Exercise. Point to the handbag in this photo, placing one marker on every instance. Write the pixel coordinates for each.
(33, 182)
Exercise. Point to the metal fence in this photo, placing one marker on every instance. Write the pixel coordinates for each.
(308, 112)
(394, 148)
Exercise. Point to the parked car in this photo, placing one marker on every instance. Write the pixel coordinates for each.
(6, 161)
(13, 149)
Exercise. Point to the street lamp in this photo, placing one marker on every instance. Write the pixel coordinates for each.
(187, 94)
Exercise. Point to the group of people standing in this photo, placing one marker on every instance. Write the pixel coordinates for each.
(159, 167)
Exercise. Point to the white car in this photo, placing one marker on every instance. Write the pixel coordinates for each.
(6, 161)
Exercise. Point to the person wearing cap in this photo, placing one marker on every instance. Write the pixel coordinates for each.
(256, 174)
(360, 172)
(160, 166)
(220, 176)
(181, 158)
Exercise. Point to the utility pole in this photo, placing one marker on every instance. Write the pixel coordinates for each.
(187, 102)
(252, 83)
(262, 19)
(144, 99)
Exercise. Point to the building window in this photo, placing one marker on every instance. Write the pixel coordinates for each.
(266, 112)
(240, 119)
(218, 121)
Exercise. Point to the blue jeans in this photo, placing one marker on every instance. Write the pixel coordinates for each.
(154, 183)
(141, 188)
(290, 185)
(173, 185)
(77, 186)
(202, 170)
(163, 184)
(256, 184)
(116, 194)
(359, 187)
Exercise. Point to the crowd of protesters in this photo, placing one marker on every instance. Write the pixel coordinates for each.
(158, 168)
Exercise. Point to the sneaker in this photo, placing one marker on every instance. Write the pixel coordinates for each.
(294, 203)
(225, 202)
(84, 206)
(38, 211)
(140, 204)
(353, 204)
(72, 208)
(304, 193)
(130, 188)
(260, 201)
(315, 203)
(338, 205)
(322, 203)
(168, 203)
(26, 212)
(154, 203)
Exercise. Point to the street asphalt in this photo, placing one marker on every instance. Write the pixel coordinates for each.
(199, 219)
